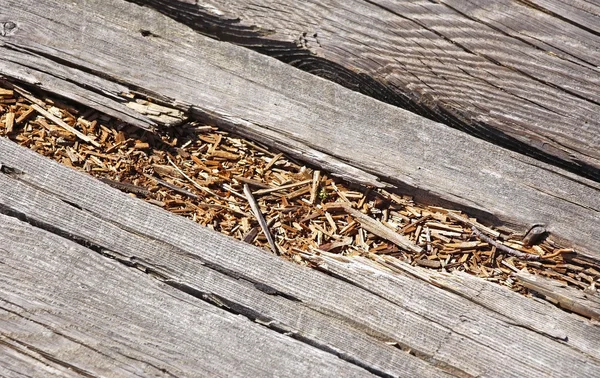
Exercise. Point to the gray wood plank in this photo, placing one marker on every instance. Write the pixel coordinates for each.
(321, 122)
(582, 13)
(22, 362)
(581, 302)
(69, 307)
(539, 316)
(479, 66)
(443, 329)
(58, 82)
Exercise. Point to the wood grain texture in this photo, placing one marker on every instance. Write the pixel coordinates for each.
(521, 74)
(537, 315)
(82, 314)
(18, 362)
(353, 136)
(356, 319)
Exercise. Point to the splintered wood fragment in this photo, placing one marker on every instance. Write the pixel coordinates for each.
(232, 191)
(282, 187)
(25, 115)
(510, 266)
(273, 161)
(223, 207)
(297, 193)
(433, 264)
(406, 228)
(428, 239)
(331, 222)
(464, 245)
(261, 220)
(339, 192)
(130, 188)
(28, 95)
(504, 248)
(193, 182)
(376, 227)
(64, 125)
(315, 186)
(565, 297)
(166, 170)
(225, 155)
(336, 244)
(252, 182)
(471, 223)
(9, 122)
(251, 235)
(175, 188)
(215, 145)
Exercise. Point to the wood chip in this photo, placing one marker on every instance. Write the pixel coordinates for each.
(9, 122)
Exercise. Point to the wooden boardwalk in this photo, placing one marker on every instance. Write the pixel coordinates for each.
(70, 308)
(96, 283)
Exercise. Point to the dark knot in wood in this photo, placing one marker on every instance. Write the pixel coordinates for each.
(7, 28)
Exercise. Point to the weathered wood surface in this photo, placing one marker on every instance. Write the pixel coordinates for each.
(77, 313)
(359, 318)
(537, 315)
(522, 74)
(317, 121)
(584, 302)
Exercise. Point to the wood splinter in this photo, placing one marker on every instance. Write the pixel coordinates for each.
(376, 227)
(261, 219)
(39, 108)
(503, 248)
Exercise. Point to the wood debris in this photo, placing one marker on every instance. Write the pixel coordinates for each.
(220, 180)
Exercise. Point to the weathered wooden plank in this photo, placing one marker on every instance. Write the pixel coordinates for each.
(581, 13)
(565, 297)
(301, 114)
(103, 94)
(69, 307)
(26, 363)
(440, 330)
(478, 66)
(558, 35)
(540, 316)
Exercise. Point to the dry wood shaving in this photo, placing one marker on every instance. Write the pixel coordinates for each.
(199, 172)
